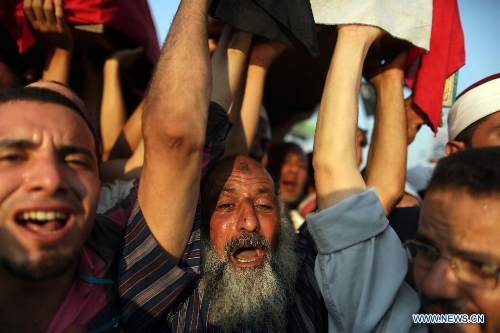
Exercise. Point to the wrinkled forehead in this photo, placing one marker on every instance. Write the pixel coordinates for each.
(236, 174)
(73, 97)
(58, 120)
(237, 168)
(459, 209)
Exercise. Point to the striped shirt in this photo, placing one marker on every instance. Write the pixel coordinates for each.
(148, 281)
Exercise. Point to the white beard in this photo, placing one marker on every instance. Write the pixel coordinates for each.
(251, 298)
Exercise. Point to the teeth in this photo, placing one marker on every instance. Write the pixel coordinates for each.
(43, 215)
(245, 260)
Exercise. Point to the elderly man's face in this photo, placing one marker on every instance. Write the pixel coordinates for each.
(466, 227)
(50, 188)
(249, 262)
(246, 204)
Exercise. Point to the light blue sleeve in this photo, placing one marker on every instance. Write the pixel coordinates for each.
(360, 268)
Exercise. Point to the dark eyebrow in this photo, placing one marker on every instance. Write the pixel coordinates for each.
(69, 149)
(478, 256)
(261, 190)
(64, 150)
(228, 189)
(17, 143)
(264, 190)
(426, 240)
(482, 257)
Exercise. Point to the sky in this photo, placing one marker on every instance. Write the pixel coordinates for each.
(481, 25)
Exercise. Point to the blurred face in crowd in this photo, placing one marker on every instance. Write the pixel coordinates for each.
(465, 228)
(293, 176)
(50, 188)
(249, 261)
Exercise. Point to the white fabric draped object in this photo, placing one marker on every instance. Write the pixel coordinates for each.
(410, 20)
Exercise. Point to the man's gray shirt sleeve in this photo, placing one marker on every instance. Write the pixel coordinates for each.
(360, 268)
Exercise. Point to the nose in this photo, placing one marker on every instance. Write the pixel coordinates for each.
(293, 167)
(46, 175)
(248, 220)
(286, 167)
(440, 282)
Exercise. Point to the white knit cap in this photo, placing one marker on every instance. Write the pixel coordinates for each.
(478, 101)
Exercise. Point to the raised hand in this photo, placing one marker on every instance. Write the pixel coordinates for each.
(47, 17)
(393, 69)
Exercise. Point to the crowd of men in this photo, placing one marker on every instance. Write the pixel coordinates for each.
(203, 241)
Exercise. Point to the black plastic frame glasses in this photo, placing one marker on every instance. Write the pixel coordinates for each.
(468, 270)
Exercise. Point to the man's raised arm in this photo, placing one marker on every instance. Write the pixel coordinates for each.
(174, 126)
(360, 259)
(336, 170)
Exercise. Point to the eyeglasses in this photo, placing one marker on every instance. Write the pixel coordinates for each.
(468, 270)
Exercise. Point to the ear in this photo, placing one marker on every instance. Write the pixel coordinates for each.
(454, 146)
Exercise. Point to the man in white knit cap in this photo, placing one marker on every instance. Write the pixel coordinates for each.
(474, 119)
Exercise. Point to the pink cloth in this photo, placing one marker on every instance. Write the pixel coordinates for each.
(84, 300)
(426, 73)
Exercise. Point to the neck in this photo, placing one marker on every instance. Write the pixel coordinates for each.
(30, 306)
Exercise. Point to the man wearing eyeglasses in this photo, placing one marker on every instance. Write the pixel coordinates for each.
(455, 253)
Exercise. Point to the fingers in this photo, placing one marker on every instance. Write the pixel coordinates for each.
(48, 12)
(59, 16)
(43, 16)
(30, 14)
(37, 9)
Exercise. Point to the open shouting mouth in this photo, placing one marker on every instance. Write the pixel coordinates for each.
(247, 256)
(46, 224)
(247, 250)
